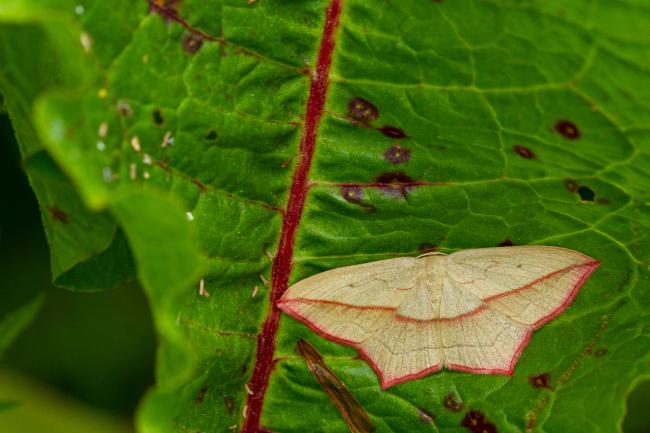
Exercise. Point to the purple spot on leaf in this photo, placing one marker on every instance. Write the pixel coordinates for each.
(192, 42)
(352, 194)
(567, 129)
(397, 154)
(523, 151)
(393, 132)
(362, 110)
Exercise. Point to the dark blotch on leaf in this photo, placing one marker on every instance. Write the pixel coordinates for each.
(211, 135)
(586, 193)
(201, 396)
(124, 108)
(58, 215)
(394, 183)
(158, 118)
(427, 247)
(571, 185)
(603, 201)
(362, 110)
(393, 132)
(567, 129)
(506, 243)
(523, 151)
(192, 42)
(540, 381)
(453, 402)
(475, 422)
(397, 154)
(352, 194)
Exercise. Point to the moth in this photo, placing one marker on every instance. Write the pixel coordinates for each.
(473, 310)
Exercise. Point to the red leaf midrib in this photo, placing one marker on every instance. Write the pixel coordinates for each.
(295, 205)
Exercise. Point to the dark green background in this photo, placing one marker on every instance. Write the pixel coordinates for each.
(94, 347)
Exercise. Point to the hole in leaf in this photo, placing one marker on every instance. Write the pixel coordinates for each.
(586, 193)
(158, 118)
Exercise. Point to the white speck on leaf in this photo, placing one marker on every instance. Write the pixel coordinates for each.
(135, 143)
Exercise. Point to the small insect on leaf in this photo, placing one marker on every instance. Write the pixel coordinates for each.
(354, 415)
(410, 317)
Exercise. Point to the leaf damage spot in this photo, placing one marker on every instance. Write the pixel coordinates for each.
(475, 422)
(352, 412)
(523, 151)
(158, 118)
(201, 396)
(393, 131)
(192, 42)
(124, 108)
(362, 110)
(540, 381)
(427, 247)
(397, 154)
(58, 215)
(506, 243)
(571, 184)
(567, 129)
(352, 194)
(453, 402)
(395, 183)
(211, 135)
(586, 193)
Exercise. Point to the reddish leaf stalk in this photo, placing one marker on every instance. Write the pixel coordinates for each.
(298, 193)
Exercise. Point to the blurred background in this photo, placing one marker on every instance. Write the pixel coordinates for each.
(88, 358)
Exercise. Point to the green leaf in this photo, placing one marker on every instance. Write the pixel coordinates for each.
(13, 323)
(10, 327)
(171, 131)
